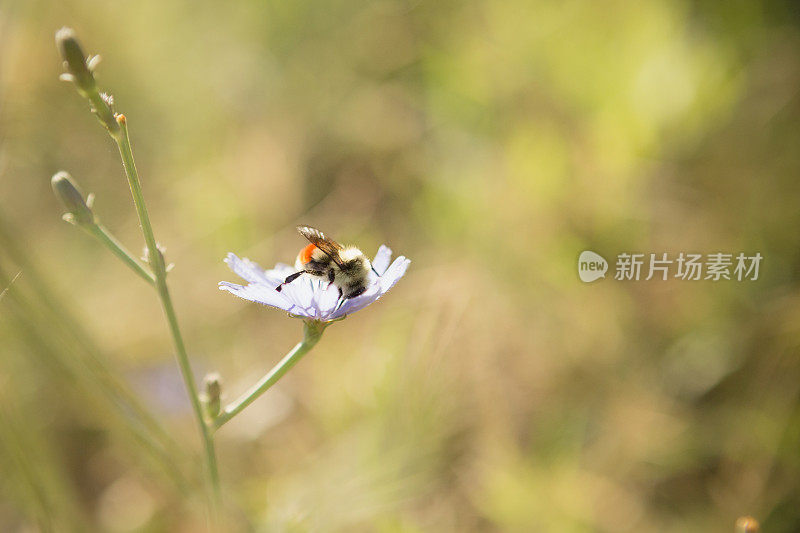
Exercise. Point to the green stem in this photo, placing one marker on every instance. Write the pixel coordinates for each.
(157, 264)
(312, 332)
(102, 234)
(103, 111)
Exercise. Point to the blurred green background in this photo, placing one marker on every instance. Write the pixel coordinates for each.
(489, 141)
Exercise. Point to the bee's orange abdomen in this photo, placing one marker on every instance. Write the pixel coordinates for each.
(305, 253)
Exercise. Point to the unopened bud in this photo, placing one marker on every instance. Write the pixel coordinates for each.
(79, 211)
(78, 70)
(212, 384)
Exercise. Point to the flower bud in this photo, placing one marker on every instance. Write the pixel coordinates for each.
(78, 209)
(74, 60)
(212, 384)
(79, 72)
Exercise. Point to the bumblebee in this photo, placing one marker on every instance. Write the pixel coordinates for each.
(344, 266)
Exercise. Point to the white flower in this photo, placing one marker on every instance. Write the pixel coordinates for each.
(311, 297)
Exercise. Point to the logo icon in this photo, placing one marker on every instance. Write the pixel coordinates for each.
(591, 266)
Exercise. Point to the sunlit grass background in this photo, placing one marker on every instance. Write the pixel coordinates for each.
(491, 142)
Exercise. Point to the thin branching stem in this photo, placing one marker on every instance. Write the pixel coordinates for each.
(159, 270)
(108, 240)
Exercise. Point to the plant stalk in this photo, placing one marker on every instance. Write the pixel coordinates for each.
(312, 332)
(102, 234)
(156, 260)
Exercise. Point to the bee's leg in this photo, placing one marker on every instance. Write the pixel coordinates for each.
(331, 277)
(290, 278)
(341, 300)
(376, 272)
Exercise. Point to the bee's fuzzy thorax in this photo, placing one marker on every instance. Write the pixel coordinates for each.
(351, 252)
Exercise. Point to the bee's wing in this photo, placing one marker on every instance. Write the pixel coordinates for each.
(318, 239)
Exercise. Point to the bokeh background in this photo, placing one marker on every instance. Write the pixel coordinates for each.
(491, 142)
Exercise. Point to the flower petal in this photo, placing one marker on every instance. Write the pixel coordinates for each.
(245, 269)
(380, 287)
(258, 293)
(393, 274)
(351, 305)
(300, 294)
(326, 300)
(382, 259)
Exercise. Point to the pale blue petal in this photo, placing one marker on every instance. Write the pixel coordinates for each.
(258, 293)
(326, 299)
(382, 259)
(351, 305)
(245, 269)
(380, 287)
(393, 274)
(301, 293)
